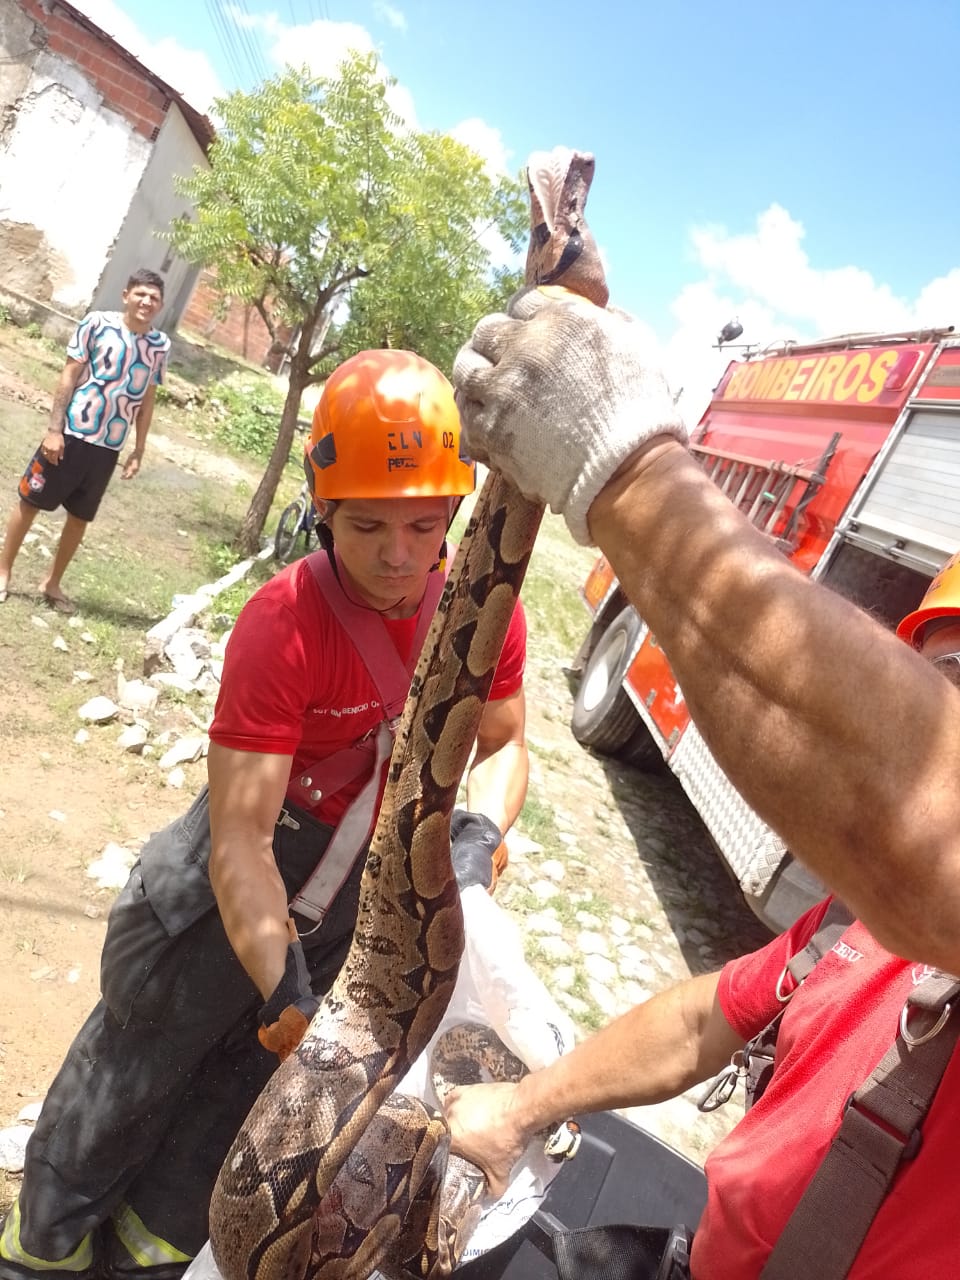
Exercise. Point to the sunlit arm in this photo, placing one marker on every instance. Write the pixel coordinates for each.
(246, 794)
(655, 1051)
(497, 779)
(841, 737)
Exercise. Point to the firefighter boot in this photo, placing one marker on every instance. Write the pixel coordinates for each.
(17, 1263)
(130, 1251)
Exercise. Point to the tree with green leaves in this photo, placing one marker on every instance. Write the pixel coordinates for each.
(334, 220)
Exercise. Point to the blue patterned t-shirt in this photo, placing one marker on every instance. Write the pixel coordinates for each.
(121, 365)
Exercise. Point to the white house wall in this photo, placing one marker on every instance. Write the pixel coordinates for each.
(154, 206)
(69, 168)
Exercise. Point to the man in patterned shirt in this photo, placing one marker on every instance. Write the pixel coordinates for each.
(114, 362)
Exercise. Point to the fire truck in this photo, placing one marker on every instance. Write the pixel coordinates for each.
(846, 454)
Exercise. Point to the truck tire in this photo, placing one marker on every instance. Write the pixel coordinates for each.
(604, 718)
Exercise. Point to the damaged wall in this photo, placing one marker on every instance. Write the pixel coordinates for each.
(78, 194)
(89, 145)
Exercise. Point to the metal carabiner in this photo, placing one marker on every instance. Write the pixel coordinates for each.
(935, 1030)
(782, 997)
(721, 1088)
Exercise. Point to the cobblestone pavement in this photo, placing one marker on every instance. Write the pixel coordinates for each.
(618, 890)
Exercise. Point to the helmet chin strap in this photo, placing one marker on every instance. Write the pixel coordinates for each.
(444, 553)
(440, 563)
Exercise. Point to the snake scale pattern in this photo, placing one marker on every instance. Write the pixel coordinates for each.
(327, 1179)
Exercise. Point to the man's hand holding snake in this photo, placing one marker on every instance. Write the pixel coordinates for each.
(486, 1128)
(557, 395)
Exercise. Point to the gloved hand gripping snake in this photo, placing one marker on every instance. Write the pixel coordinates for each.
(306, 1189)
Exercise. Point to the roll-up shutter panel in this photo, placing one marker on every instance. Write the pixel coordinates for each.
(910, 510)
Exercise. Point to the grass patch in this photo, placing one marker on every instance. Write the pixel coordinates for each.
(243, 411)
(13, 872)
(225, 607)
(519, 899)
(537, 821)
(549, 755)
(592, 1018)
(555, 615)
(217, 556)
(566, 908)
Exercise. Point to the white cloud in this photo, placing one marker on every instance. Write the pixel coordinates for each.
(322, 46)
(487, 141)
(189, 71)
(771, 265)
(766, 279)
(393, 16)
(939, 301)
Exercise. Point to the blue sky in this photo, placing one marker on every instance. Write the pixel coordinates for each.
(793, 165)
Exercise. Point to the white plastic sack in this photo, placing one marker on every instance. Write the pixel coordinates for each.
(497, 988)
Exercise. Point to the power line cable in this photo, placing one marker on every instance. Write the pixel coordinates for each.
(225, 38)
(251, 41)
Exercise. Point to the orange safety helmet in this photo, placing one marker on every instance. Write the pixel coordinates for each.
(941, 601)
(386, 426)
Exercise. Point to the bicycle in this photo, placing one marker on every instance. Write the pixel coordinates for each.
(298, 518)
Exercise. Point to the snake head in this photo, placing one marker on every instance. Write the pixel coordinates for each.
(562, 248)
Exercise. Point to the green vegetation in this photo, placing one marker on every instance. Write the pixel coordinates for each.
(227, 605)
(316, 204)
(554, 610)
(537, 821)
(243, 412)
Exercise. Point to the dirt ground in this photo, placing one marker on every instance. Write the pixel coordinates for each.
(62, 802)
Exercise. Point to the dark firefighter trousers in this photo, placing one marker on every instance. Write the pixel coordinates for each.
(160, 1077)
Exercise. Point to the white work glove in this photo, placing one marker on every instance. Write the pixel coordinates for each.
(557, 395)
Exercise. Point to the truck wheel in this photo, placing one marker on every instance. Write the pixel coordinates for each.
(603, 715)
(641, 750)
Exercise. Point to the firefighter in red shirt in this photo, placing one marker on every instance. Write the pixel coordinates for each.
(238, 916)
(838, 735)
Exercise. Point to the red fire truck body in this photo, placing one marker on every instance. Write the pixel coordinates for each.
(846, 453)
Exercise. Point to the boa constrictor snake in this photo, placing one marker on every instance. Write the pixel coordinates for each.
(329, 1175)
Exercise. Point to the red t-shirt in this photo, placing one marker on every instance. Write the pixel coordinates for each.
(294, 684)
(837, 1027)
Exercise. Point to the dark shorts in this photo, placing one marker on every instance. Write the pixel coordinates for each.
(77, 482)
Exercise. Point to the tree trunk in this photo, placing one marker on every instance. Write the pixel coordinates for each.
(248, 539)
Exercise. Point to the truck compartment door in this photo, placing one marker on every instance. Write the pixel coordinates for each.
(909, 508)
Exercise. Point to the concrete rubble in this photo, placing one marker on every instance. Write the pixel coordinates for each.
(166, 713)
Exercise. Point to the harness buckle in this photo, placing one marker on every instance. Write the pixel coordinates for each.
(911, 1142)
(785, 996)
(288, 820)
(564, 1142)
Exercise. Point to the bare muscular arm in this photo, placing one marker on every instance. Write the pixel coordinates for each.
(841, 737)
(497, 781)
(246, 794)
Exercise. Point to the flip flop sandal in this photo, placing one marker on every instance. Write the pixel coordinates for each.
(60, 604)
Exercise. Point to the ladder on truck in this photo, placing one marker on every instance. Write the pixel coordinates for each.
(761, 489)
